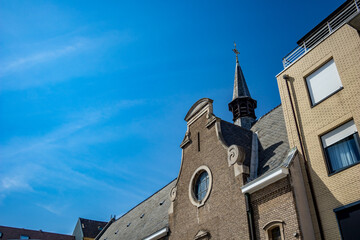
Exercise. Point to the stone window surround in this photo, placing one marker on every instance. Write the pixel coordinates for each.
(193, 179)
(271, 225)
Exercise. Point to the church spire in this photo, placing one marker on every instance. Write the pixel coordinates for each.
(240, 87)
(242, 105)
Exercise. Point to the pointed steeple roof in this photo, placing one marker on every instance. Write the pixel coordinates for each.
(242, 105)
(240, 86)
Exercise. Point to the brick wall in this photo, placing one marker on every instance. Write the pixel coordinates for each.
(275, 202)
(344, 187)
(223, 215)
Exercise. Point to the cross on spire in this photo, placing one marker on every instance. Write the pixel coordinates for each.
(236, 52)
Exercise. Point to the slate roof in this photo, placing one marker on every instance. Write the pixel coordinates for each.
(273, 140)
(91, 228)
(14, 233)
(240, 87)
(144, 219)
(234, 134)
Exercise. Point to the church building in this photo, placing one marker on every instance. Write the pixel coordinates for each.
(291, 174)
(237, 180)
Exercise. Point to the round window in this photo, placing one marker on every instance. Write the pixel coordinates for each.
(201, 186)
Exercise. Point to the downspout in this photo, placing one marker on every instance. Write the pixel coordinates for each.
(286, 78)
(250, 217)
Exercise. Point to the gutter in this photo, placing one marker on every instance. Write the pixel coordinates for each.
(159, 234)
(272, 176)
(265, 180)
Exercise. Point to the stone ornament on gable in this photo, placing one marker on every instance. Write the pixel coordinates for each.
(173, 194)
(202, 234)
(186, 139)
(211, 118)
(236, 154)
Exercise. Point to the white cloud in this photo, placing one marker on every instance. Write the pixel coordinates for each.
(14, 183)
(40, 159)
(73, 55)
(36, 58)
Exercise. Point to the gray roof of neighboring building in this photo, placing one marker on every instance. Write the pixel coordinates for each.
(15, 233)
(148, 217)
(91, 228)
(273, 140)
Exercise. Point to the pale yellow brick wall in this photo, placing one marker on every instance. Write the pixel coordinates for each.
(344, 187)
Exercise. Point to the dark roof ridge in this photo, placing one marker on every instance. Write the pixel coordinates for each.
(40, 230)
(146, 199)
(92, 220)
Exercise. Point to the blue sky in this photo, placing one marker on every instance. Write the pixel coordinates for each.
(93, 94)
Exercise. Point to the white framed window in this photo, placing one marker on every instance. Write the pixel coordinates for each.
(323, 82)
(341, 147)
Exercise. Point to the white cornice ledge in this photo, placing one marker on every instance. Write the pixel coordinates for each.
(265, 181)
(159, 234)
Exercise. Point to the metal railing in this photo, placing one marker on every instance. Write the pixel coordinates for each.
(328, 28)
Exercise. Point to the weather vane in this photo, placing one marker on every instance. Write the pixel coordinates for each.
(236, 52)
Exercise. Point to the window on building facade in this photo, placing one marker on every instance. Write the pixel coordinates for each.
(274, 233)
(341, 147)
(274, 230)
(323, 82)
(201, 186)
(24, 237)
(348, 218)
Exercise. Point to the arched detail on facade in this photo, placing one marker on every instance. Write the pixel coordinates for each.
(274, 230)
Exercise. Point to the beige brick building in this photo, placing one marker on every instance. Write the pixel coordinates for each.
(323, 78)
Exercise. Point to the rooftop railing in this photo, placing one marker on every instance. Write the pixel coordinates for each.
(327, 29)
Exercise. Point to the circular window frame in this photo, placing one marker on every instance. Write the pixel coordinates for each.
(192, 183)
